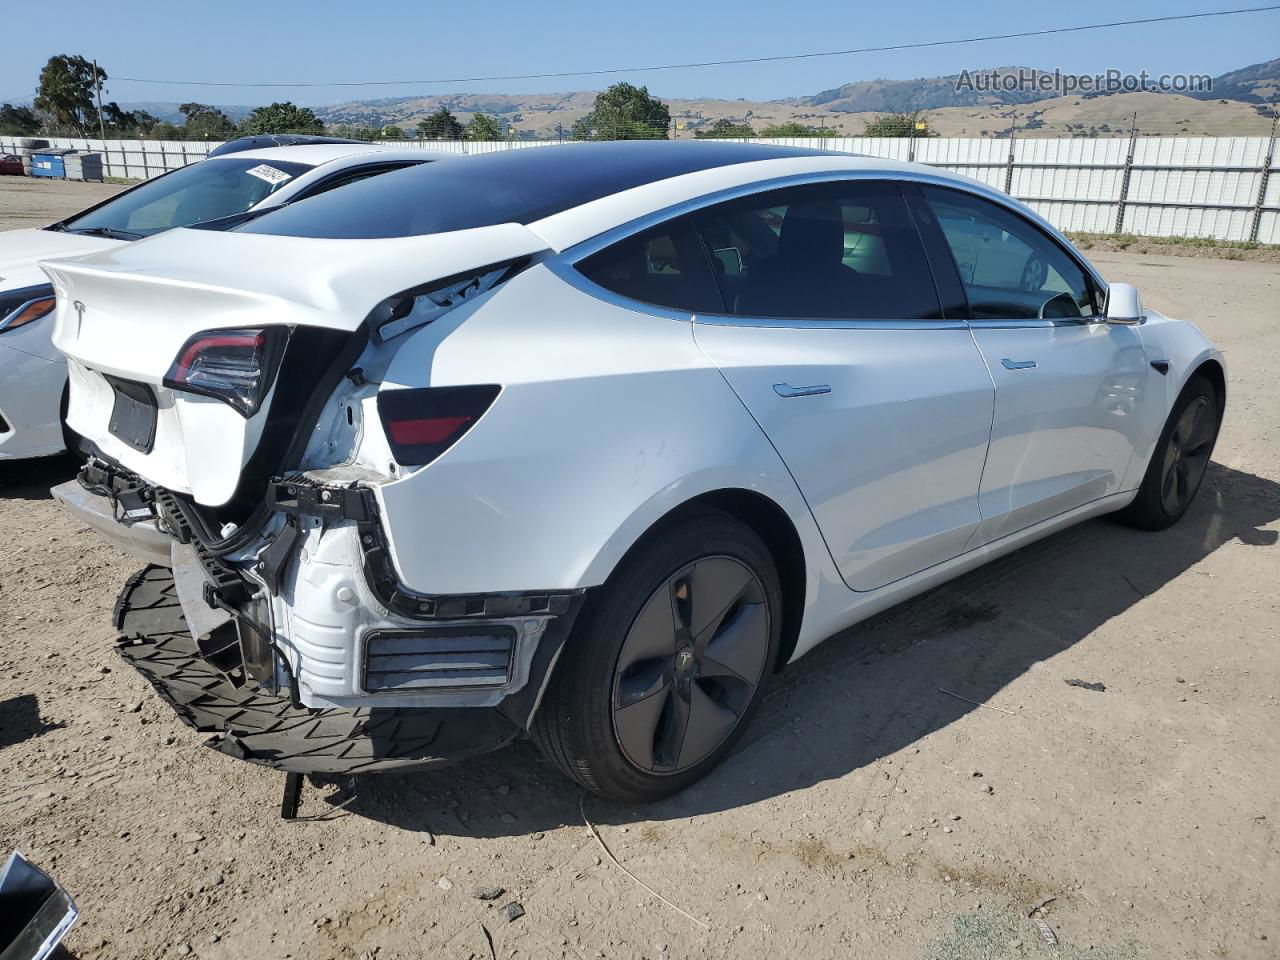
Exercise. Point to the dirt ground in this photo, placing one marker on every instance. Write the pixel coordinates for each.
(865, 814)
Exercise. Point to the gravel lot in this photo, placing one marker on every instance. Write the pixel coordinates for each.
(866, 814)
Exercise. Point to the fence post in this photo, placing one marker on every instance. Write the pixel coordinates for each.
(1124, 179)
(1263, 180)
(1008, 169)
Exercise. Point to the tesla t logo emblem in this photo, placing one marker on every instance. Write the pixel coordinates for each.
(79, 316)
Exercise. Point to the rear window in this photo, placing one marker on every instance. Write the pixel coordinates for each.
(514, 186)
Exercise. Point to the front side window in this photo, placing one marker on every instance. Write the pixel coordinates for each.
(208, 190)
(844, 250)
(1009, 268)
(665, 265)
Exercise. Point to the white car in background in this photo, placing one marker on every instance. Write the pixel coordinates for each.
(33, 377)
(585, 442)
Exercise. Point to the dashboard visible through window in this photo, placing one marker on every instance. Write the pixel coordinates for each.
(1009, 268)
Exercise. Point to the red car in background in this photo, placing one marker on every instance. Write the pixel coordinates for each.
(10, 164)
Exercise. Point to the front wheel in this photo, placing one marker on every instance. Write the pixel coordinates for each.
(662, 674)
(1179, 460)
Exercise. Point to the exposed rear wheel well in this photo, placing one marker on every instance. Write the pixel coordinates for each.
(772, 525)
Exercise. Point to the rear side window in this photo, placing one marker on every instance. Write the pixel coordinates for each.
(1010, 269)
(665, 266)
(822, 251)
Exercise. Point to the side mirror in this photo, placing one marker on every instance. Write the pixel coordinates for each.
(1123, 304)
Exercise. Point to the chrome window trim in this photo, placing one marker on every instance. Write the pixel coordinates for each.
(999, 324)
(817, 323)
(564, 263)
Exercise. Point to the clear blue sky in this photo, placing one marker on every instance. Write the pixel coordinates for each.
(391, 39)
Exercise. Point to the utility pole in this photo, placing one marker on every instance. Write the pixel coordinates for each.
(97, 83)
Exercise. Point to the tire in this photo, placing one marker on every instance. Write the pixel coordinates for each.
(620, 673)
(1177, 466)
(251, 724)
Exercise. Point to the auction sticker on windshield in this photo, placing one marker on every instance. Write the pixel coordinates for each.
(269, 173)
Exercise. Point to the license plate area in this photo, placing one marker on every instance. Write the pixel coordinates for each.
(133, 414)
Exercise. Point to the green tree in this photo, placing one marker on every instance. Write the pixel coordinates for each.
(66, 92)
(793, 129)
(391, 132)
(725, 128)
(18, 121)
(127, 123)
(282, 117)
(913, 124)
(441, 125)
(165, 131)
(624, 112)
(483, 127)
(204, 122)
(357, 132)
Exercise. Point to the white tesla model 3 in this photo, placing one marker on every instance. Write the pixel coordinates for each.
(588, 441)
(33, 375)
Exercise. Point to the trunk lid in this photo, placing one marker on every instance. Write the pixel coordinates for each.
(124, 314)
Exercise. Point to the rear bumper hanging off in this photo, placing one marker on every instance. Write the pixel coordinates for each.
(250, 724)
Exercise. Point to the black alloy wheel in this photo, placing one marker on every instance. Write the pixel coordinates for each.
(690, 665)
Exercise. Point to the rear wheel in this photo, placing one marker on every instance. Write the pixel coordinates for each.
(1179, 460)
(662, 674)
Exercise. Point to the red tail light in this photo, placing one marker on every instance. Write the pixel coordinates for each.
(236, 366)
(422, 424)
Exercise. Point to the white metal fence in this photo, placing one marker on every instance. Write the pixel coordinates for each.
(1221, 187)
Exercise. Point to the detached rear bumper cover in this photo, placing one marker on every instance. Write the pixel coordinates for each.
(250, 724)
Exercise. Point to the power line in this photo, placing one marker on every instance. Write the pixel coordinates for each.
(717, 63)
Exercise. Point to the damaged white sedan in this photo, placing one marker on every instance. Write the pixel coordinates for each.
(585, 442)
(215, 193)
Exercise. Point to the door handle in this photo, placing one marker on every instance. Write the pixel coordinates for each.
(1017, 364)
(788, 391)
